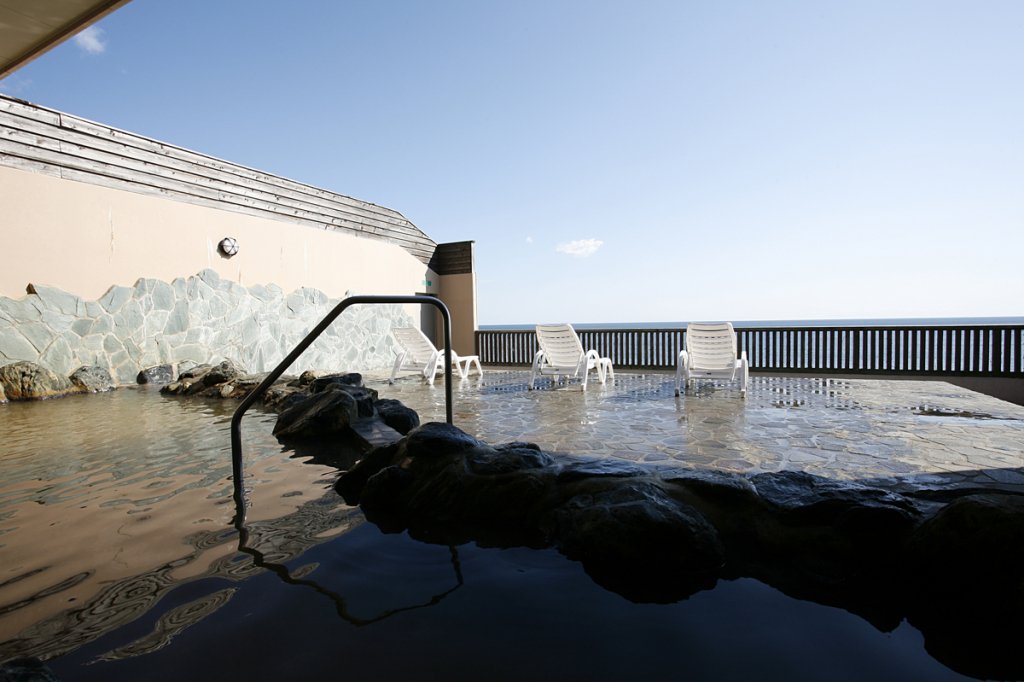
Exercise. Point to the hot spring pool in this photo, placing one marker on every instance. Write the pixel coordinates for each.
(118, 561)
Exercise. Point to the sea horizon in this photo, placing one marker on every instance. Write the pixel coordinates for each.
(844, 322)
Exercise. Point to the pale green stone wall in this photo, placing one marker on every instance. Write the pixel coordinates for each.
(202, 319)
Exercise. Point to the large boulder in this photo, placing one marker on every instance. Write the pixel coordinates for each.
(636, 540)
(25, 380)
(443, 485)
(92, 379)
(159, 374)
(964, 569)
(396, 415)
(317, 415)
(204, 379)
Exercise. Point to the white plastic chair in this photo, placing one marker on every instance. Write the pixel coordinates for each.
(710, 353)
(416, 352)
(561, 355)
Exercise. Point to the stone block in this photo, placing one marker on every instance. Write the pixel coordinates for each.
(115, 297)
(56, 299)
(102, 324)
(162, 295)
(295, 302)
(134, 351)
(14, 346)
(261, 292)
(210, 278)
(38, 334)
(81, 326)
(93, 343)
(219, 307)
(57, 321)
(58, 356)
(193, 352)
(132, 318)
(155, 322)
(177, 320)
(19, 311)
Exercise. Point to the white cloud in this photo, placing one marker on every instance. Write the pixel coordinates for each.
(91, 40)
(529, 239)
(580, 248)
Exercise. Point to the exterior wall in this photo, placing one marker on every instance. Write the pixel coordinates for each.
(84, 238)
(48, 142)
(459, 293)
(104, 229)
(454, 264)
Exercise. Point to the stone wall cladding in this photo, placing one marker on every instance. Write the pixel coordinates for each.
(201, 319)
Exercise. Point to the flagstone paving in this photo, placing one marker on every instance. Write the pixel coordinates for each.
(901, 434)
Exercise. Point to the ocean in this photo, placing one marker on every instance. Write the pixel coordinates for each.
(895, 321)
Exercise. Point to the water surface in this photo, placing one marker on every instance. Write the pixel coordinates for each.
(119, 561)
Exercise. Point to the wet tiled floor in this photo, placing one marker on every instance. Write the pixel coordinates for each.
(916, 434)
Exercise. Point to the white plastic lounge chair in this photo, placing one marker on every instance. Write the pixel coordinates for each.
(561, 355)
(416, 352)
(710, 353)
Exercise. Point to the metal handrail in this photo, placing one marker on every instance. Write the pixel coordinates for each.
(275, 374)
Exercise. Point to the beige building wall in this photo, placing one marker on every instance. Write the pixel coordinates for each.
(84, 238)
(459, 293)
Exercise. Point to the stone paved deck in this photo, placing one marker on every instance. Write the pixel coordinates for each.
(900, 434)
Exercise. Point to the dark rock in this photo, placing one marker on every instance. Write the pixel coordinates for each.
(964, 568)
(517, 445)
(202, 377)
(592, 468)
(222, 373)
(281, 396)
(92, 379)
(306, 377)
(396, 415)
(28, 381)
(849, 506)
(322, 382)
(436, 439)
(364, 397)
(351, 483)
(28, 669)
(318, 415)
(494, 462)
(636, 540)
(160, 375)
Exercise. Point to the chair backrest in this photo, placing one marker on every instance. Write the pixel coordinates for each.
(711, 346)
(560, 343)
(415, 343)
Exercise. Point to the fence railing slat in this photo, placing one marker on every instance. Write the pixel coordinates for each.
(954, 350)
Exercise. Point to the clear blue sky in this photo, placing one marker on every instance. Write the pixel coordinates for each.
(615, 161)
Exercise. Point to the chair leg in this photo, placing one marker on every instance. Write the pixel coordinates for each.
(398, 365)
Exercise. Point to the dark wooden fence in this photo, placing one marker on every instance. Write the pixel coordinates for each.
(962, 350)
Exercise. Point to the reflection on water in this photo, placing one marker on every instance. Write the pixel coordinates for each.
(118, 560)
(111, 500)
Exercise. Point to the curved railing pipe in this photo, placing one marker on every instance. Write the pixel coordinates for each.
(275, 374)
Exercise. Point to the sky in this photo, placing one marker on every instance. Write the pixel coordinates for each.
(614, 161)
